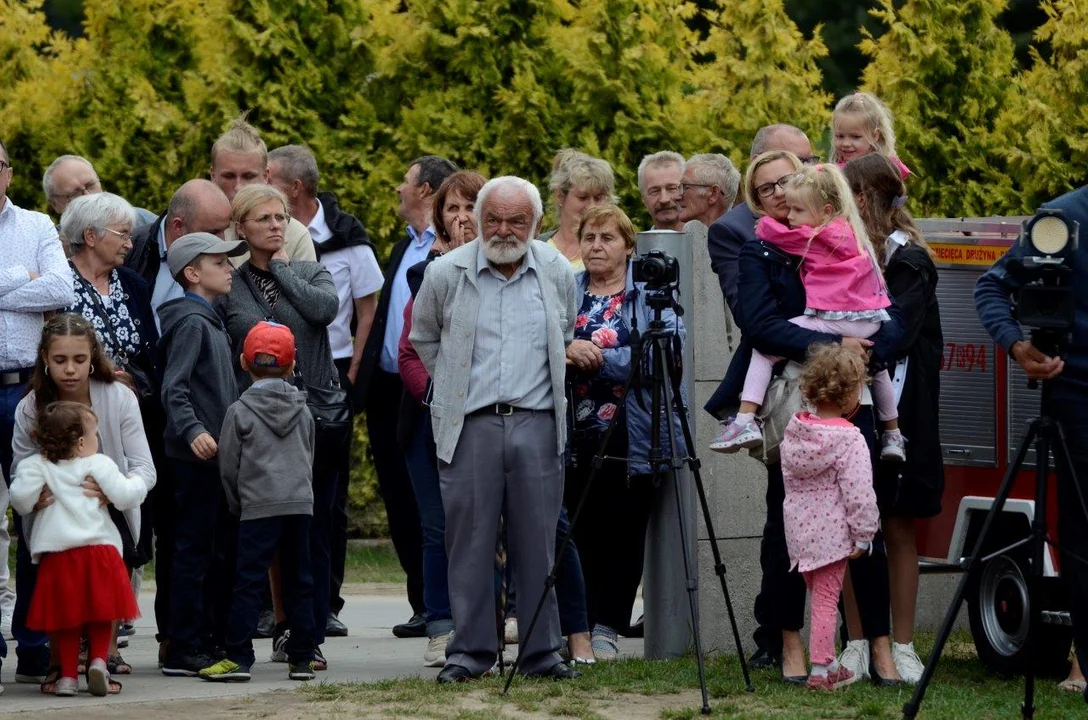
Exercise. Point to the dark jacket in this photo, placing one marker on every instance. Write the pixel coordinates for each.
(198, 382)
(307, 304)
(138, 301)
(346, 229)
(144, 257)
(266, 453)
(996, 288)
(912, 280)
(373, 351)
(770, 292)
(724, 239)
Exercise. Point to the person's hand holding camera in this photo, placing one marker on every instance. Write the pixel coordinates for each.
(1036, 364)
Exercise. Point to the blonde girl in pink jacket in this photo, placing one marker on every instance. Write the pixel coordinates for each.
(844, 294)
(830, 510)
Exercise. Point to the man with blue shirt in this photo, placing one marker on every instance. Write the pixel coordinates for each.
(197, 206)
(378, 386)
(994, 293)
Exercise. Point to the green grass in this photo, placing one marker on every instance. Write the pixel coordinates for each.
(365, 564)
(961, 689)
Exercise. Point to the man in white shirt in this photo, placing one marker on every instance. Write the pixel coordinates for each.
(345, 250)
(240, 158)
(34, 279)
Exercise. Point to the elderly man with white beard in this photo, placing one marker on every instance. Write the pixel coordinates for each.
(491, 323)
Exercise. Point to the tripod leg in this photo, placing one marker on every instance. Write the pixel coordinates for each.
(910, 710)
(719, 566)
(692, 585)
(1035, 580)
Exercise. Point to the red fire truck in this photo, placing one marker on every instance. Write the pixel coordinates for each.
(985, 408)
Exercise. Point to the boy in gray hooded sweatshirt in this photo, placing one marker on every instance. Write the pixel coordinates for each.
(265, 460)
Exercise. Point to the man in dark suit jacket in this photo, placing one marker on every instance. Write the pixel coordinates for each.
(197, 206)
(738, 225)
(378, 386)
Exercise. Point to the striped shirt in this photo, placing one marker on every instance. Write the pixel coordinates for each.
(510, 354)
(28, 244)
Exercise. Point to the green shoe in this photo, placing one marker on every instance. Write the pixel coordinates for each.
(301, 671)
(225, 671)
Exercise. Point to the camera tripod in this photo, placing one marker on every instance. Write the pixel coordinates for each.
(656, 344)
(1048, 435)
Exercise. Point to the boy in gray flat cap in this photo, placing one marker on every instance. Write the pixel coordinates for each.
(198, 387)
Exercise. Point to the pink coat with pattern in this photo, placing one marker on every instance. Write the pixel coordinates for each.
(830, 504)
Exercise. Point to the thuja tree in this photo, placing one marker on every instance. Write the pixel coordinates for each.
(944, 67)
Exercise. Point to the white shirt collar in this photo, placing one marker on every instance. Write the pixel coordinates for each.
(319, 229)
(895, 241)
(162, 238)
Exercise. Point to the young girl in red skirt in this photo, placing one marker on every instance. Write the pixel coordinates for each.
(83, 585)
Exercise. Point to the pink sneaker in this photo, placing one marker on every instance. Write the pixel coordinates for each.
(832, 681)
(736, 436)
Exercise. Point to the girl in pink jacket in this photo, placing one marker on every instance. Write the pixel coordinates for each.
(844, 294)
(830, 510)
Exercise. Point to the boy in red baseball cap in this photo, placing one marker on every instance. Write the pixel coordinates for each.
(265, 459)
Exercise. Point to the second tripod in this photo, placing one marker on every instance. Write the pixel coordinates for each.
(654, 361)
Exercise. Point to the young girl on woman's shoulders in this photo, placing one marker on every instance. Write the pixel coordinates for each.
(862, 124)
(83, 584)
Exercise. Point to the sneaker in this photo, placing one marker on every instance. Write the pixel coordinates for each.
(122, 641)
(320, 663)
(279, 646)
(510, 631)
(907, 662)
(832, 681)
(266, 625)
(126, 629)
(893, 446)
(301, 671)
(735, 437)
(66, 687)
(32, 666)
(186, 665)
(435, 654)
(225, 671)
(855, 658)
(605, 643)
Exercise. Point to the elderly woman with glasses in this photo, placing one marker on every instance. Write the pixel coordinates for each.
(115, 300)
(768, 291)
(301, 295)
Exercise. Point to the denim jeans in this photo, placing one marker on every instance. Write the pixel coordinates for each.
(422, 460)
(258, 541)
(30, 642)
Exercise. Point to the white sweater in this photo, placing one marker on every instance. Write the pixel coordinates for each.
(74, 519)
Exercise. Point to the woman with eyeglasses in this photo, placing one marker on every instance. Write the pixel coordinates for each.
(769, 292)
(301, 295)
(115, 300)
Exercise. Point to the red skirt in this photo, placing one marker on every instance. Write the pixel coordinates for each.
(81, 586)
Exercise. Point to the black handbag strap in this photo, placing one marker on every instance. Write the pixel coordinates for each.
(100, 309)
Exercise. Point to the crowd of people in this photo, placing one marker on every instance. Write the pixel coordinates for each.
(181, 387)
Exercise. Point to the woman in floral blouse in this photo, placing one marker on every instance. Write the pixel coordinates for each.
(611, 531)
(115, 300)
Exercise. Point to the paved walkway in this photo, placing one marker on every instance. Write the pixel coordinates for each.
(370, 653)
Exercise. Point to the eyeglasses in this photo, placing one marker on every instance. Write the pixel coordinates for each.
(767, 189)
(683, 187)
(810, 160)
(88, 189)
(266, 220)
(125, 236)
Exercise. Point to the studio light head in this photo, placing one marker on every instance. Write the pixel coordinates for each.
(1046, 302)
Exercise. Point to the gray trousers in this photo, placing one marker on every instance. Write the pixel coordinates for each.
(502, 464)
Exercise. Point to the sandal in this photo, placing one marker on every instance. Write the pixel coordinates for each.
(1070, 685)
(117, 665)
(49, 685)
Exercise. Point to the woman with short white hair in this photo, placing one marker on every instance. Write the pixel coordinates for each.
(577, 183)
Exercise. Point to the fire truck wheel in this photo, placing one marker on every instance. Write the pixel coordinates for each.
(999, 611)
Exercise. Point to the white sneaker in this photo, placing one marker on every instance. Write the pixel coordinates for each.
(279, 647)
(435, 654)
(510, 631)
(907, 662)
(855, 658)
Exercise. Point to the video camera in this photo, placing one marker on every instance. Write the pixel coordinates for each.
(1046, 303)
(658, 269)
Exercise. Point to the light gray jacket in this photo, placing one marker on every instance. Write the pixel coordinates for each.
(444, 332)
